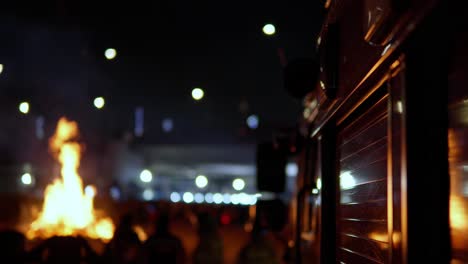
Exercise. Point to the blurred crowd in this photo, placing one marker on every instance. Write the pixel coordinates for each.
(160, 246)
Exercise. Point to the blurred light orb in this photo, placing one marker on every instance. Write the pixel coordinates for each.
(253, 199)
(175, 197)
(227, 198)
(115, 193)
(197, 93)
(187, 197)
(148, 195)
(347, 180)
(110, 54)
(209, 198)
(269, 29)
(1, 68)
(146, 176)
(167, 125)
(201, 181)
(24, 107)
(292, 169)
(26, 179)
(238, 184)
(235, 198)
(199, 198)
(252, 121)
(99, 102)
(244, 199)
(90, 191)
(218, 198)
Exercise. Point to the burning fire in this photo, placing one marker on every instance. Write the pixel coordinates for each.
(67, 210)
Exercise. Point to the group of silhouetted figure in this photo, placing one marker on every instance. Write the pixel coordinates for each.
(125, 247)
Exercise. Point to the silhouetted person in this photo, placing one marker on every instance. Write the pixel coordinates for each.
(125, 246)
(12, 244)
(260, 249)
(210, 245)
(63, 249)
(163, 247)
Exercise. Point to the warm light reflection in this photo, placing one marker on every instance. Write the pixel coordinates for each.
(382, 237)
(142, 236)
(67, 210)
(457, 213)
(399, 107)
(458, 204)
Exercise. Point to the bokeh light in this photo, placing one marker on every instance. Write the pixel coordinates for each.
(238, 184)
(110, 54)
(99, 102)
(26, 179)
(201, 181)
(197, 93)
(146, 176)
(24, 107)
(269, 29)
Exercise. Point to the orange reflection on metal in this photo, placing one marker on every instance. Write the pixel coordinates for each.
(458, 203)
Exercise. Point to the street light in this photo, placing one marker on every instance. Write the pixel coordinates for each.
(252, 121)
(175, 197)
(26, 179)
(99, 102)
(238, 184)
(188, 197)
(197, 93)
(199, 198)
(269, 29)
(1, 68)
(167, 125)
(146, 176)
(148, 195)
(201, 181)
(110, 54)
(24, 107)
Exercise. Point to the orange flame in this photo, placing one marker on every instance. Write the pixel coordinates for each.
(67, 210)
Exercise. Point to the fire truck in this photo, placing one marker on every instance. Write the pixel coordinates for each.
(383, 164)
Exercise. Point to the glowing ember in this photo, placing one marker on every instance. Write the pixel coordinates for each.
(142, 236)
(67, 210)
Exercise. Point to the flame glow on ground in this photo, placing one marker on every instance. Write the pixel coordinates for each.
(67, 210)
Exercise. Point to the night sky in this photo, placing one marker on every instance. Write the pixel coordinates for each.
(53, 57)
